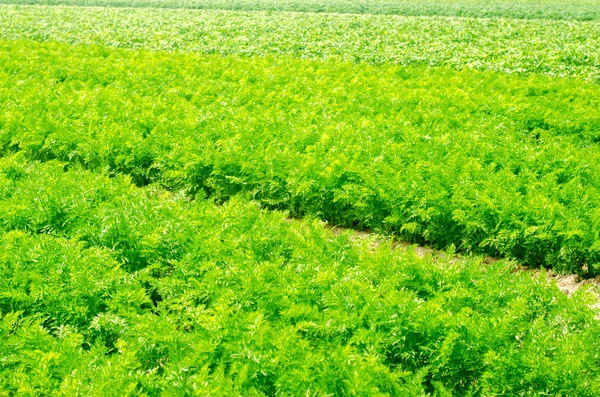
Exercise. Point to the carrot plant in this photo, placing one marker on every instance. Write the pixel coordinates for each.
(121, 290)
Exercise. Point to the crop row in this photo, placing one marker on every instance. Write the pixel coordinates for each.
(111, 289)
(527, 9)
(490, 163)
(556, 48)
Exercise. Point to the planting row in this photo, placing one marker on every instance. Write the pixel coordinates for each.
(528, 9)
(556, 48)
(489, 163)
(110, 289)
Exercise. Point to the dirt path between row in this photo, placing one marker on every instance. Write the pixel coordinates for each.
(567, 283)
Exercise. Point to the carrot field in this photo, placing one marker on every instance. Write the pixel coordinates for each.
(175, 174)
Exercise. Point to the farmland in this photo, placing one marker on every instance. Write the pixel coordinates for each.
(170, 171)
(555, 48)
(584, 10)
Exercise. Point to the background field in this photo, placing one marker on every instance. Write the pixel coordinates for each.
(585, 10)
(170, 172)
(555, 48)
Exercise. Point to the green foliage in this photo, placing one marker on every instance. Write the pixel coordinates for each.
(251, 303)
(146, 198)
(529, 9)
(554, 48)
(44, 276)
(486, 162)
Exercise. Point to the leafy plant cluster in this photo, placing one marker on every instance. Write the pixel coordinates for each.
(112, 289)
(487, 163)
(555, 48)
(584, 10)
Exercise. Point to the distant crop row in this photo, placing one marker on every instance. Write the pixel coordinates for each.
(109, 289)
(556, 48)
(489, 163)
(527, 9)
